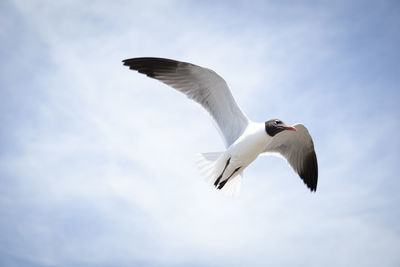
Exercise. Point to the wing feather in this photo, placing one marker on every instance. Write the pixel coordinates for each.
(298, 149)
(202, 85)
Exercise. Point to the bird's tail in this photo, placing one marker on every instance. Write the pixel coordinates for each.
(211, 169)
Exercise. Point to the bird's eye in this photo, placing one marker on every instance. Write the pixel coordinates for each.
(277, 122)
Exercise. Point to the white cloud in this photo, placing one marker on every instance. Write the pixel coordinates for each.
(107, 174)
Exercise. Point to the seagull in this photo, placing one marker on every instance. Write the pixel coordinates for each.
(244, 139)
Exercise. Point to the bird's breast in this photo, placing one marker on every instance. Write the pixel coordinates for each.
(249, 145)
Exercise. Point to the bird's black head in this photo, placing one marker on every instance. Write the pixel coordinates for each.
(275, 126)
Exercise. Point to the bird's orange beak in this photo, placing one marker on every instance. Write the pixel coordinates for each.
(290, 128)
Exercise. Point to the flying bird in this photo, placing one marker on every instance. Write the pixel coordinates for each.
(244, 139)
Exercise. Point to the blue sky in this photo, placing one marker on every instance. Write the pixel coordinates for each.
(97, 163)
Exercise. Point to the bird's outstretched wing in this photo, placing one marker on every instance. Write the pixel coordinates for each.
(298, 149)
(200, 84)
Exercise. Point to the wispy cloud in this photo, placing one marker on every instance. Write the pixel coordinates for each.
(97, 162)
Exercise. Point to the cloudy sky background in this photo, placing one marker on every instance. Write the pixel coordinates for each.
(97, 163)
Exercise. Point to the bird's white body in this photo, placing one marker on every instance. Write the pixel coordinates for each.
(229, 165)
(244, 150)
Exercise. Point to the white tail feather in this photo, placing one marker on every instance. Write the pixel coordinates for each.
(207, 162)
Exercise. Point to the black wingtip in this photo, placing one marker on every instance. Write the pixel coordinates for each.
(309, 174)
(151, 66)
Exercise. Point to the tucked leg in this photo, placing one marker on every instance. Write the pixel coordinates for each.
(221, 185)
(219, 177)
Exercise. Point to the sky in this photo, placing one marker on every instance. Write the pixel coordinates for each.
(97, 162)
